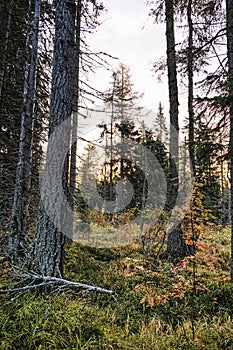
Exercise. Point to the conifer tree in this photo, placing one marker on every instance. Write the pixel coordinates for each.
(49, 240)
(18, 236)
(229, 10)
(159, 127)
(13, 18)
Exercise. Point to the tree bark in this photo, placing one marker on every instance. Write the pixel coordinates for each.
(18, 238)
(176, 246)
(73, 158)
(5, 22)
(174, 103)
(49, 240)
(229, 17)
(190, 89)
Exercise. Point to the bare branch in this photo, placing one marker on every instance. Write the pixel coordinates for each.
(45, 281)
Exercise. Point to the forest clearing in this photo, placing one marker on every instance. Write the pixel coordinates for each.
(156, 304)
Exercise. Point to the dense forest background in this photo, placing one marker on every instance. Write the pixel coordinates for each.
(141, 198)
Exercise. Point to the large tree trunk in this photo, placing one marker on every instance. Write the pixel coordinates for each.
(49, 240)
(176, 246)
(18, 235)
(229, 12)
(174, 103)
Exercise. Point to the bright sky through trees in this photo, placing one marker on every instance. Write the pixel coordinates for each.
(127, 32)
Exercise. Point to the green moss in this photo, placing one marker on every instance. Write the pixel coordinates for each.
(79, 320)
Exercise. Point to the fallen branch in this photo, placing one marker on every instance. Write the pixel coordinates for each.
(45, 281)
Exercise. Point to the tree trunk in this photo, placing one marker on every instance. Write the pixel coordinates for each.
(176, 246)
(18, 237)
(49, 240)
(5, 22)
(173, 101)
(111, 140)
(190, 88)
(229, 14)
(73, 158)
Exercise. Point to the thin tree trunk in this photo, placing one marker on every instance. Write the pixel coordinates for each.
(49, 240)
(122, 120)
(229, 13)
(18, 237)
(5, 22)
(73, 159)
(111, 141)
(190, 88)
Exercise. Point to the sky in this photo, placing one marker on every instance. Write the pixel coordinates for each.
(127, 32)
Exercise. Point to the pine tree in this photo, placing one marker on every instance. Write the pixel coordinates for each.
(159, 126)
(229, 9)
(208, 156)
(124, 109)
(76, 70)
(12, 62)
(49, 240)
(5, 24)
(18, 236)
(175, 243)
(190, 68)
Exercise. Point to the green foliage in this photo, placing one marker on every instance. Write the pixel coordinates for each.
(210, 166)
(152, 309)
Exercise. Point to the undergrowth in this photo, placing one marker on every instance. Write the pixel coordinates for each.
(154, 307)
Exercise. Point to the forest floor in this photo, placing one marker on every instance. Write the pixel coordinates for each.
(157, 305)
